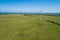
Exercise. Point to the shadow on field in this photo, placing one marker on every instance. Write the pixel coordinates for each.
(23, 34)
(39, 23)
(53, 22)
(28, 15)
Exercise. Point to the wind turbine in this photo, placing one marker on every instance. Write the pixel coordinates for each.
(40, 13)
(39, 16)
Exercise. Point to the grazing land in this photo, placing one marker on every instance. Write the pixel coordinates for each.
(29, 27)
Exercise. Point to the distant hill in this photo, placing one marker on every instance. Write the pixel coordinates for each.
(51, 14)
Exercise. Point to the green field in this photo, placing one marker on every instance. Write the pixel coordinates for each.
(36, 27)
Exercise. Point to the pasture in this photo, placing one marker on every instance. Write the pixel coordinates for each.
(22, 27)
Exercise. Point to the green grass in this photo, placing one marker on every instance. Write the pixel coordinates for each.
(20, 27)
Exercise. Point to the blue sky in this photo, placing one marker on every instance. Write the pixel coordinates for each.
(30, 6)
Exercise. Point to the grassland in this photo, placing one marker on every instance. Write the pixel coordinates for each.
(36, 27)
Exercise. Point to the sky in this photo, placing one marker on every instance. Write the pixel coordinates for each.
(50, 6)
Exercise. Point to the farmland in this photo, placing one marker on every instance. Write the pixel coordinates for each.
(22, 27)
